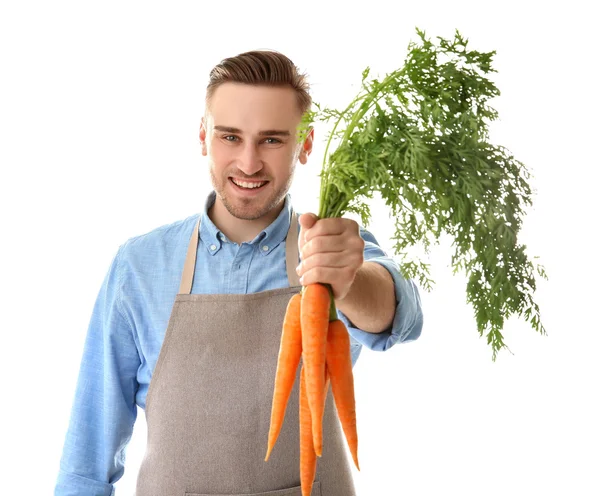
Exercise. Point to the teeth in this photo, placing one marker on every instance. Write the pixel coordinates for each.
(248, 185)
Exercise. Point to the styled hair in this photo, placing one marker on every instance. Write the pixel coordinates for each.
(262, 68)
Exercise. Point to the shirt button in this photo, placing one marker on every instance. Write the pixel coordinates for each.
(213, 247)
(265, 248)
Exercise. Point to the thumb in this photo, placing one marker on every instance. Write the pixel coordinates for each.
(307, 220)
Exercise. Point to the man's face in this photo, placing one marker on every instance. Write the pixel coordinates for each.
(250, 137)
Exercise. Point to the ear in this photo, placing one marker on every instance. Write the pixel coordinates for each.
(307, 146)
(202, 136)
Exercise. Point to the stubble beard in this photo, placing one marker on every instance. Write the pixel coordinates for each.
(249, 208)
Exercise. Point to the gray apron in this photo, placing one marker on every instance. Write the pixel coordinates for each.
(208, 407)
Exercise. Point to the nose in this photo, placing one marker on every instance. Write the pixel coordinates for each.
(249, 160)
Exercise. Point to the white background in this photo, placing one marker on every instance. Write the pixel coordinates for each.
(99, 111)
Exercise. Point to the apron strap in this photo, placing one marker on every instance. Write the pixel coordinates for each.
(291, 256)
(185, 287)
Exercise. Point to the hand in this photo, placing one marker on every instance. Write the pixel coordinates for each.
(331, 251)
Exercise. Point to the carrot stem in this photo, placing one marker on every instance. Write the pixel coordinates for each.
(332, 308)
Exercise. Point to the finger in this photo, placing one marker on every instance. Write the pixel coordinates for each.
(350, 246)
(333, 226)
(333, 260)
(324, 244)
(335, 276)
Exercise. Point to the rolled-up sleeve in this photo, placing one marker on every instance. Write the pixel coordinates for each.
(408, 318)
(104, 409)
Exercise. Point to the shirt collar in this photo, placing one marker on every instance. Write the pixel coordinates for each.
(267, 239)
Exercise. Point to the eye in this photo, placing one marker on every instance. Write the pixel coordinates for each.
(272, 141)
(230, 138)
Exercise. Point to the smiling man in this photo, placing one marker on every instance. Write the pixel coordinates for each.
(187, 323)
(249, 136)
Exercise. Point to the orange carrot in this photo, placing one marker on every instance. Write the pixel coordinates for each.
(308, 457)
(339, 366)
(290, 351)
(314, 317)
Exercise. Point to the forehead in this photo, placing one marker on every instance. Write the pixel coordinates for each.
(253, 108)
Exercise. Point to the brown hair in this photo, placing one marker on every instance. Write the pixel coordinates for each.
(264, 68)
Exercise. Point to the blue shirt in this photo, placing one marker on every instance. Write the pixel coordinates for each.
(130, 317)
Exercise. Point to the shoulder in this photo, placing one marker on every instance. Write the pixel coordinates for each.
(161, 241)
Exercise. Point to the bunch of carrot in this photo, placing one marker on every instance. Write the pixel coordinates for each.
(312, 332)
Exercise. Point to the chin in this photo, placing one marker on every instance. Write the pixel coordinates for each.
(250, 210)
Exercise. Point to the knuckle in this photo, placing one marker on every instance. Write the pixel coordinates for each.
(360, 257)
(317, 273)
(306, 264)
(352, 226)
(317, 244)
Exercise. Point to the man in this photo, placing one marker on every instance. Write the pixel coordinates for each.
(188, 320)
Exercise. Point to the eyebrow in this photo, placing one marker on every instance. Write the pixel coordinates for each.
(268, 132)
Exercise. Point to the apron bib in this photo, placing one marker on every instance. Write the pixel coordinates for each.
(208, 407)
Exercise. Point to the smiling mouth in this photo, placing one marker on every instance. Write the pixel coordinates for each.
(249, 185)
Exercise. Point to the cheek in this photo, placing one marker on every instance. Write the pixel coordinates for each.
(222, 157)
(219, 153)
(286, 157)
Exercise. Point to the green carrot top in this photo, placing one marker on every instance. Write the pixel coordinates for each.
(419, 138)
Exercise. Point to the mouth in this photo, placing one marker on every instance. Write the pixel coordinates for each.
(248, 186)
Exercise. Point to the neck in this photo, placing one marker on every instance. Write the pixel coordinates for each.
(240, 230)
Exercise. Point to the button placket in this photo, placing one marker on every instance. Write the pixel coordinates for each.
(238, 274)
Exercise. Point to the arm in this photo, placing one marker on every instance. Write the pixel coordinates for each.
(104, 409)
(407, 321)
(370, 303)
(339, 252)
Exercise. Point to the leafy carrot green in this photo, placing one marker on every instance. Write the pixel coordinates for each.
(419, 139)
